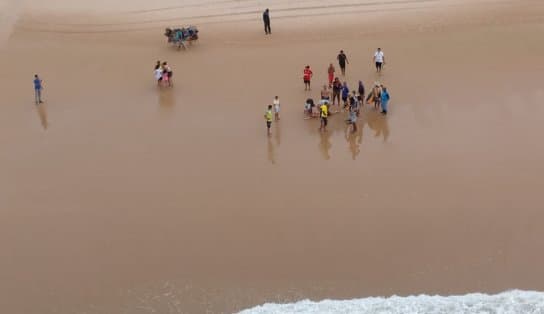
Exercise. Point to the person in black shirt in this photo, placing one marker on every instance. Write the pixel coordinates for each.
(342, 60)
(266, 20)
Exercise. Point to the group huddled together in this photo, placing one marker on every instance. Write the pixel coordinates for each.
(343, 99)
(163, 74)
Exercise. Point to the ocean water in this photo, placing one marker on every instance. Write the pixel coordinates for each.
(510, 302)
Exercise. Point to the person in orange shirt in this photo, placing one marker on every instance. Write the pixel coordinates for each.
(307, 77)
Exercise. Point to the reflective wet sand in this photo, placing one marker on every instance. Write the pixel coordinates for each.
(119, 197)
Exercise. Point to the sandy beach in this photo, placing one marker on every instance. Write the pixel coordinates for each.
(117, 196)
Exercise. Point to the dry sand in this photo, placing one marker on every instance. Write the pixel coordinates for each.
(118, 197)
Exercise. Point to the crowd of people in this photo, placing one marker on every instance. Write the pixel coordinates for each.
(343, 98)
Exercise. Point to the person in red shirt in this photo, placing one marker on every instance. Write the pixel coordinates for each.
(307, 77)
(331, 71)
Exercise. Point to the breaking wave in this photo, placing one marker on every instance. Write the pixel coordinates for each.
(510, 302)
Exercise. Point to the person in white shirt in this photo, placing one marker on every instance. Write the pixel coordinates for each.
(276, 108)
(379, 59)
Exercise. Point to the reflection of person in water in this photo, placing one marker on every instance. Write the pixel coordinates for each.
(325, 144)
(378, 123)
(351, 138)
(271, 151)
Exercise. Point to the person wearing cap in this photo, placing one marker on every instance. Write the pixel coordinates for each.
(266, 21)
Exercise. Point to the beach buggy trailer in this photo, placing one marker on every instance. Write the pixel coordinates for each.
(180, 36)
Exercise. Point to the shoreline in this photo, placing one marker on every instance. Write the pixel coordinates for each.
(118, 192)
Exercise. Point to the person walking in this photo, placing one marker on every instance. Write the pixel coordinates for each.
(342, 60)
(379, 60)
(276, 108)
(384, 100)
(307, 77)
(268, 118)
(331, 71)
(38, 87)
(266, 21)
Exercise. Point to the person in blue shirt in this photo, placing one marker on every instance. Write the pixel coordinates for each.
(345, 94)
(385, 99)
(38, 89)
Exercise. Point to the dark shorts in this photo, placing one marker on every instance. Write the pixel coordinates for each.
(306, 81)
(344, 98)
(342, 66)
(325, 98)
(268, 124)
(170, 74)
(379, 65)
(324, 120)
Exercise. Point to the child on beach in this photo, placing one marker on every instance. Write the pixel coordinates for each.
(268, 118)
(276, 108)
(158, 74)
(165, 79)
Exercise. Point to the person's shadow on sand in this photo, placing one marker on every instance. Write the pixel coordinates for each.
(42, 114)
(167, 99)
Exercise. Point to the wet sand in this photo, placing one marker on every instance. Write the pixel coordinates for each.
(118, 197)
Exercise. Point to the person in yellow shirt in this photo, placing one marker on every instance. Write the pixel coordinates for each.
(268, 117)
(324, 115)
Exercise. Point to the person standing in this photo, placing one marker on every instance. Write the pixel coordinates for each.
(345, 94)
(158, 73)
(268, 117)
(379, 60)
(361, 90)
(167, 74)
(384, 100)
(38, 87)
(331, 71)
(307, 77)
(324, 115)
(375, 95)
(336, 90)
(266, 21)
(342, 60)
(276, 108)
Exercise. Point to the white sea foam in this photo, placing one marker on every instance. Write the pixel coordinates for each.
(511, 302)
